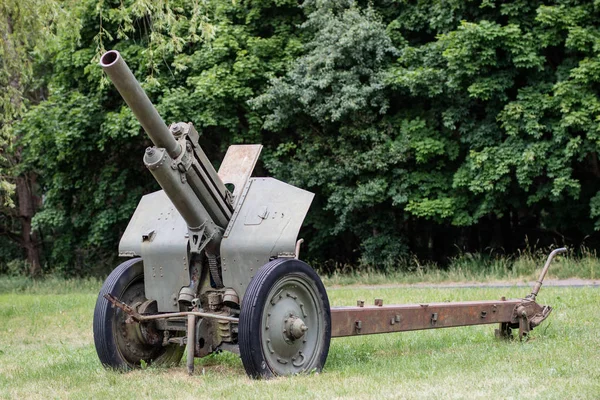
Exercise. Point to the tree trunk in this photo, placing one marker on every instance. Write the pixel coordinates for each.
(27, 208)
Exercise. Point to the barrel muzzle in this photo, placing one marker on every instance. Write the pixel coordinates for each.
(121, 76)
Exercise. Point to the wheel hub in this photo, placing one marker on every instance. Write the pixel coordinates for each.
(294, 327)
(135, 341)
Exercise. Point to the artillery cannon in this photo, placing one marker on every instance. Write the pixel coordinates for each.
(213, 265)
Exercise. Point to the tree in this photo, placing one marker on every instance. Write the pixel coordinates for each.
(487, 118)
(423, 127)
(87, 144)
(338, 142)
(25, 27)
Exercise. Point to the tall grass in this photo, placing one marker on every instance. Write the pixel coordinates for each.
(48, 284)
(474, 267)
(466, 267)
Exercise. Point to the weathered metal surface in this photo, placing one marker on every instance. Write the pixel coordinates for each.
(158, 233)
(298, 245)
(538, 283)
(525, 314)
(237, 166)
(365, 320)
(195, 168)
(264, 225)
(166, 264)
(152, 211)
(183, 193)
(528, 314)
(137, 317)
(204, 168)
(504, 331)
(191, 343)
(149, 331)
(233, 348)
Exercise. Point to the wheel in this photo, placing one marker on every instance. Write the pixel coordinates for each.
(285, 321)
(124, 346)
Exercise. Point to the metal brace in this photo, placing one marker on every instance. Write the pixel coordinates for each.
(134, 316)
(184, 161)
(203, 240)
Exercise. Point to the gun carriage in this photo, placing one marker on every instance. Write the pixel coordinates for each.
(213, 265)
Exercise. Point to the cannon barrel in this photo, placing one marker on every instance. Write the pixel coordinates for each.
(121, 76)
(177, 163)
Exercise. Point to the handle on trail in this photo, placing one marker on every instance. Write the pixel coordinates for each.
(538, 283)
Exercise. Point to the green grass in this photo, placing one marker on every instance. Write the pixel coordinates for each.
(47, 351)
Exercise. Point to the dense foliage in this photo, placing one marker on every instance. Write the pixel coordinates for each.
(423, 127)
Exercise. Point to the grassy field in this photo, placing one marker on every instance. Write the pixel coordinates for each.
(47, 351)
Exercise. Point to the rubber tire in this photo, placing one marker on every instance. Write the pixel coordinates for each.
(253, 304)
(117, 283)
